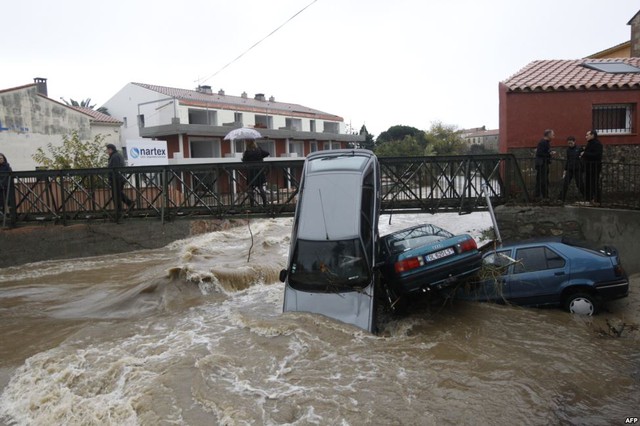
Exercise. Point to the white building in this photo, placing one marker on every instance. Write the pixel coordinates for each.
(195, 122)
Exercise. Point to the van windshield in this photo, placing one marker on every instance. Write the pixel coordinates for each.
(329, 266)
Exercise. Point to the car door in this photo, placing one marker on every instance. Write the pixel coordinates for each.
(536, 276)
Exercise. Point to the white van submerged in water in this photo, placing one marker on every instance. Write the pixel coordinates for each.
(334, 238)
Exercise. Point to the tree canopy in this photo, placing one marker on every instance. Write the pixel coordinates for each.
(86, 103)
(445, 139)
(440, 139)
(74, 153)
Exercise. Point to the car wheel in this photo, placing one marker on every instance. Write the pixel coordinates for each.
(582, 304)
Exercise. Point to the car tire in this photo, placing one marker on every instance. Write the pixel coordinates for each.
(582, 304)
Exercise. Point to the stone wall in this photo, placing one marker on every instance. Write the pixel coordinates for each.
(603, 226)
(51, 242)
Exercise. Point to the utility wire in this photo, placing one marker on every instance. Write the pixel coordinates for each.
(260, 41)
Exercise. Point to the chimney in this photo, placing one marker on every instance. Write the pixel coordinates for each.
(41, 85)
(635, 35)
(204, 89)
(244, 95)
(272, 99)
(259, 97)
(221, 92)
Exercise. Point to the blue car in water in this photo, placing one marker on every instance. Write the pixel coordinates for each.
(557, 272)
(424, 259)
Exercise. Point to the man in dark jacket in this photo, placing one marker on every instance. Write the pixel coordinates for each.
(6, 191)
(117, 180)
(543, 161)
(572, 168)
(255, 176)
(592, 161)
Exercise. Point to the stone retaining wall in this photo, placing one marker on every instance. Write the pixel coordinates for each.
(620, 228)
(49, 242)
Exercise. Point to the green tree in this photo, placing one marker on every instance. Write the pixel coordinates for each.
(368, 143)
(85, 104)
(407, 147)
(74, 153)
(445, 139)
(398, 133)
(400, 141)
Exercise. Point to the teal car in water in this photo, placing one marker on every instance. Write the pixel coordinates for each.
(423, 260)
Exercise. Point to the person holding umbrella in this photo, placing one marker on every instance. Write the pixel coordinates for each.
(255, 176)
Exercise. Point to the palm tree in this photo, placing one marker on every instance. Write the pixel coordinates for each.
(85, 104)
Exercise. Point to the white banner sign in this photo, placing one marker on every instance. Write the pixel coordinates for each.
(145, 152)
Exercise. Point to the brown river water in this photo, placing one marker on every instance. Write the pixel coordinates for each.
(194, 334)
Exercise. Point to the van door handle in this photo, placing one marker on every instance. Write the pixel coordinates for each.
(559, 273)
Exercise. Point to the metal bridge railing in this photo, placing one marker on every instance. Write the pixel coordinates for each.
(449, 183)
(414, 184)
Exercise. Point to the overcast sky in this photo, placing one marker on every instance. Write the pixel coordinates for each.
(373, 62)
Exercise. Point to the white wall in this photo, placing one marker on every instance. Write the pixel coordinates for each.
(29, 121)
(124, 106)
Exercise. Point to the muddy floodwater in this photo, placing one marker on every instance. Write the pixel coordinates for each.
(194, 334)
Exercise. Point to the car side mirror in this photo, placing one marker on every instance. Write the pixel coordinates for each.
(283, 275)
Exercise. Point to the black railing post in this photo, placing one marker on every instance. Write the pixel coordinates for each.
(63, 203)
(165, 196)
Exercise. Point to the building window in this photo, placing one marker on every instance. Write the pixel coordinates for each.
(205, 148)
(613, 118)
(293, 124)
(313, 146)
(141, 120)
(203, 116)
(312, 125)
(268, 145)
(331, 127)
(239, 146)
(331, 145)
(124, 122)
(296, 147)
(263, 122)
(237, 117)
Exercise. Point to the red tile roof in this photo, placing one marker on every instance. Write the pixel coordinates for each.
(215, 100)
(97, 116)
(552, 75)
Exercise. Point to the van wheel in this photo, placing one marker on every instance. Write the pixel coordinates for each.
(582, 304)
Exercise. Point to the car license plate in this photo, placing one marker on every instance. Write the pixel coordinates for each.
(439, 254)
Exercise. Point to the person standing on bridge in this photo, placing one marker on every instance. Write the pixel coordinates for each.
(592, 159)
(572, 168)
(542, 163)
(255, 176)
(117, 180)
(5, 181)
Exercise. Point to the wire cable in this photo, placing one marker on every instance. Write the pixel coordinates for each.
(258, 42)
